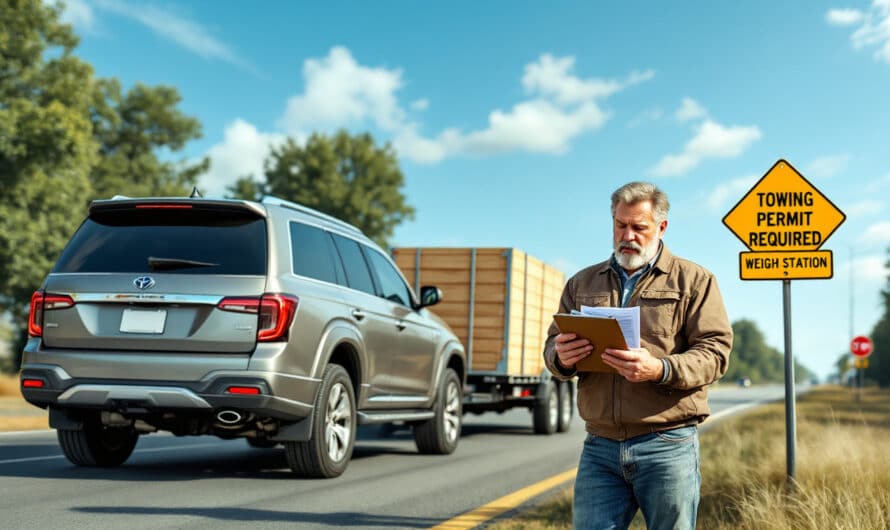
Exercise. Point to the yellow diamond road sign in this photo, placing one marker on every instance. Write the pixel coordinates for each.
(783, 212)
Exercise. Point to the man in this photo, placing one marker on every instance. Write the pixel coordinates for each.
(641, 450)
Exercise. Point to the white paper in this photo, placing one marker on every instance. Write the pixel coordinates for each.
(628, 320)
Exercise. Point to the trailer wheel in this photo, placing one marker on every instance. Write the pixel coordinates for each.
(546, 411)
(566, 407)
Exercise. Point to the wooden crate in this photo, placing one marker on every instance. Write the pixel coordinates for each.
(498, 301)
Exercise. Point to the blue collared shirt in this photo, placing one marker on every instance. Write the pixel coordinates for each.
(629, 283)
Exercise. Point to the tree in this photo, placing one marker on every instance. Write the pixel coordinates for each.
(131, 128)
(345, 176)
(879, 361)
(46, 146)
(752, 357)
(65, 138)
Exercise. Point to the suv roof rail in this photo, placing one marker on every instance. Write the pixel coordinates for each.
(269, 199)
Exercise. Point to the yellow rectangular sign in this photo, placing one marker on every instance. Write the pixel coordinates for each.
(791, 265)
(861, 363)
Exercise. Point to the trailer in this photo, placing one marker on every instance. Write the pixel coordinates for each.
(499, 302)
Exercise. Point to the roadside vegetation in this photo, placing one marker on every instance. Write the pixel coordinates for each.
(842, 470)
(15, 413)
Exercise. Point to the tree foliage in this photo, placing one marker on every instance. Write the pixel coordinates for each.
(47, 148)
(346, 176)
(131, 127)
(752, 357)
(879, 362)
(67, 137)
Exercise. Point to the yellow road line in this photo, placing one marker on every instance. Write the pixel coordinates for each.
(496, 507)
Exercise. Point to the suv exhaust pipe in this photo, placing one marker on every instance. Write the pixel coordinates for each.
(229, 417)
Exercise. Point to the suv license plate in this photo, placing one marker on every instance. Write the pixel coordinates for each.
(140, 321)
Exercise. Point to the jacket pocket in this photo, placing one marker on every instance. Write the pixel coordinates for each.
(594, 300)
(660, 310)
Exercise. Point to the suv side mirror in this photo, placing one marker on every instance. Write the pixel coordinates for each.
(430, 295)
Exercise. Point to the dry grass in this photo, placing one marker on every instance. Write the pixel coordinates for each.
(15, 413)
(9, 385)
(843, 473)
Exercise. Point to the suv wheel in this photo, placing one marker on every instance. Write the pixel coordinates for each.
(328, 452)
(96, 445)
(566, 407)
(439, 435)
(546, 409)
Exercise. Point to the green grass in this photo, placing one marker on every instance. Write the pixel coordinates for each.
(843, 469)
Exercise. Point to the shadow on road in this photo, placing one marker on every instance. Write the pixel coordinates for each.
(341, 519)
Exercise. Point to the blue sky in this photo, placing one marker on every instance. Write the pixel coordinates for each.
(514, 121)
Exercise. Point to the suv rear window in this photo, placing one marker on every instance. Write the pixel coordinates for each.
(185, 241)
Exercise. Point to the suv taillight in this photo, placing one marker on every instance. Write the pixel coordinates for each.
(40, 302)
(275, 313)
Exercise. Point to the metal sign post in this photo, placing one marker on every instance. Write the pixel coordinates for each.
(784, 220)
(790, 399)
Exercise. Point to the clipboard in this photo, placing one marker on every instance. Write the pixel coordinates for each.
(601, 332)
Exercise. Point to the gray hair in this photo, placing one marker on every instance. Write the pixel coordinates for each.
(634, 192)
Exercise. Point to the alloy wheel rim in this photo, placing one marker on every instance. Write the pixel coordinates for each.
(338, 422)
(451, 416)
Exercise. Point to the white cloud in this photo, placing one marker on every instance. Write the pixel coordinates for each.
(878, 184)
(79, 14)
(827, 166)
(552, 76)
(873, 27)
(187, 33)
(536, 126)
(712, 140)
(844, 17)
(727, 192)
(689, 110)
(567, 266)
(653, 114)
(241, 153)
(864, 207)
(877, 234)
(341, 92)
(866, 269)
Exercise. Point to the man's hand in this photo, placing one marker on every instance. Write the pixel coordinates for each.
(636, 365)
(570, 349)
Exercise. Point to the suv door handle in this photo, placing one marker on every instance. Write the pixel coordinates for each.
(401, 325)
(358, 314)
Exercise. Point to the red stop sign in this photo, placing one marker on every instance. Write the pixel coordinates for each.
(861, 346)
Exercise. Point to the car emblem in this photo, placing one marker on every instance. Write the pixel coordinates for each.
(144, 282)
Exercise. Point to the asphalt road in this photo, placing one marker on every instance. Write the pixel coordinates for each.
(203, 482)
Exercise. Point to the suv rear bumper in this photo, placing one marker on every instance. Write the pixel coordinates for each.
(62, 391)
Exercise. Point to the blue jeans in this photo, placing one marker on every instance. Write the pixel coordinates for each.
(657, 473)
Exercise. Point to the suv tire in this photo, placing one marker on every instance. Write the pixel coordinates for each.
(439, 435)
(97, 446)
(326, 454)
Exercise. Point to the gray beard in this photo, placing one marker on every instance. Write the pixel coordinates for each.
(634, 262)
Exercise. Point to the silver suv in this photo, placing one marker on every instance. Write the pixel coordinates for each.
(268, 321)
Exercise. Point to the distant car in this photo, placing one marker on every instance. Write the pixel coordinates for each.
(268, 321)
(744, 382)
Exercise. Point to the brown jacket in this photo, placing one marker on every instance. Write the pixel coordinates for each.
(682, 317)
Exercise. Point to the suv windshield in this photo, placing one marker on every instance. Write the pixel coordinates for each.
(184, 241)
